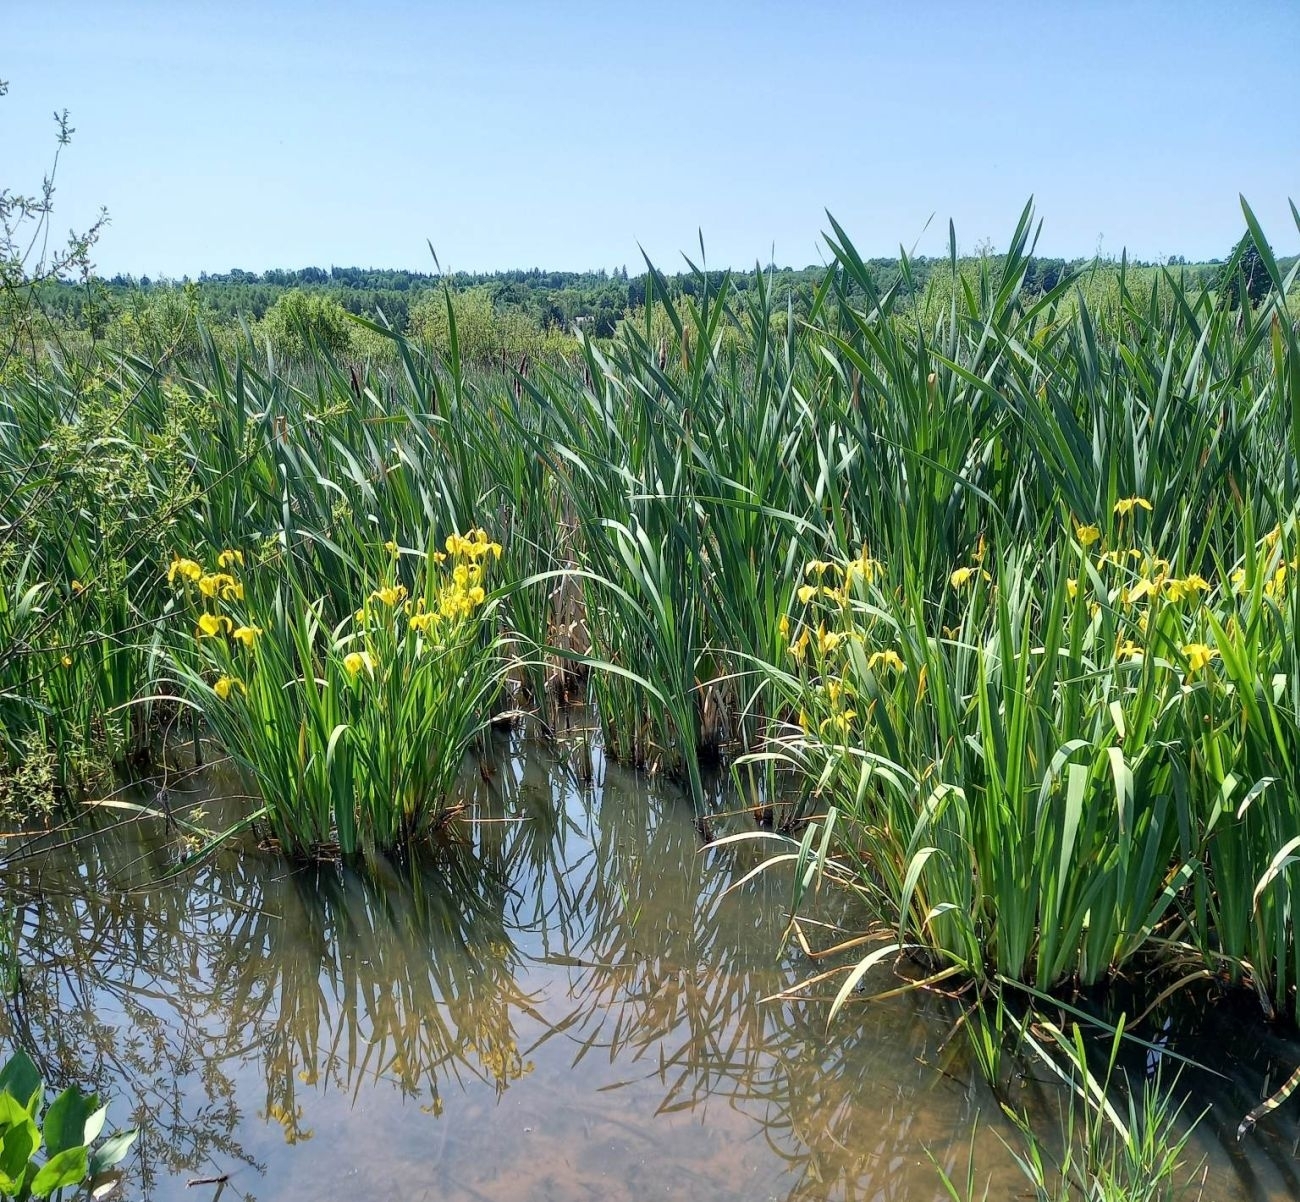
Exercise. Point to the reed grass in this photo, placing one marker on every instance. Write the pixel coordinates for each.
(1048, 722)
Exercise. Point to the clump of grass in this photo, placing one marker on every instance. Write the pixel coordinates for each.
(1054, 724)
(354, 730)
(1100, 1153)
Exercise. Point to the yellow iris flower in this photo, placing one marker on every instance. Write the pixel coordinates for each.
(211, 625)
(1127, 505)
(963, 576)
(186, 569)
(357, 661)
(221, 584)
(391, 596)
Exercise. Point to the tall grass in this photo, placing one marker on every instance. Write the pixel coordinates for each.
(1047, 721)
(354, 727)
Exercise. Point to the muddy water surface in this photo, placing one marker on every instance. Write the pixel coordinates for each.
(564, 1002)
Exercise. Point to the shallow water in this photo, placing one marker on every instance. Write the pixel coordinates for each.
(564, 1002)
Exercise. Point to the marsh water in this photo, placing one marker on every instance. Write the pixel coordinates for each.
(568, 998)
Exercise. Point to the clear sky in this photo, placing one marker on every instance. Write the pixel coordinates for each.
(296, 133)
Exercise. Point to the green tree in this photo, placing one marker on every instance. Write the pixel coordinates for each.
(486, 336)
(158, 323)
(1244, 277)
(300, 321)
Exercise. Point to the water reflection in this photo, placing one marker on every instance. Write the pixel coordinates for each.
(564, 998)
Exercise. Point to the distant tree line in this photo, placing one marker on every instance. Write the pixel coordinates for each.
(506, 316)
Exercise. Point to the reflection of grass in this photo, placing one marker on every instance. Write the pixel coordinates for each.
(544, 929)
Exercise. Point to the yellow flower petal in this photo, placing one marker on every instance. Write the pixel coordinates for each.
(1126, 505)
(211, 625)
(356, 661)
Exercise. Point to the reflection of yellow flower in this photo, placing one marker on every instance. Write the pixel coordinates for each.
(1087, 535)
(1198, 655)
(246, 634)
(355, 661)
(211, 625)
(1126, 505)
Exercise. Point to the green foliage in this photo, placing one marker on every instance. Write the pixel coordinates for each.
(28, 269)
(661, 501)
(1053, 708)
(95, 471)
(301, 322)
(1244, 279)
(486, 336)
(354, 726)
(1101, 1153)
(67, 1128)
(158, 325)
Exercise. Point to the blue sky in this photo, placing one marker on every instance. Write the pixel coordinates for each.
(565, 135)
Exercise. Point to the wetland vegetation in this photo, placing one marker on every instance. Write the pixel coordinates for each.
(949, 610)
